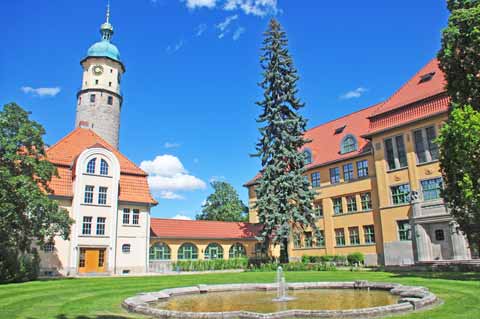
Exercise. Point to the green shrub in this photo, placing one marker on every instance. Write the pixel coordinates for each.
(212, 264)
(356, 258)
(16, 267)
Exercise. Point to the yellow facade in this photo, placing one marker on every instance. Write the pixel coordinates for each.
(383, 214)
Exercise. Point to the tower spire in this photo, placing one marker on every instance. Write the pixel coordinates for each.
(106, 30)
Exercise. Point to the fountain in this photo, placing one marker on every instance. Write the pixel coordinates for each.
(282, 295)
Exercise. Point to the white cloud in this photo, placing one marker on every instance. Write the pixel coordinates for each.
(175, 47)
(354, 94)
(171, 145)
(200, 29)
(254, 7)
(192, 4)
(224, 26)
(238, 33)
(41, 91)
(182, 217)
(167, 175)
(170, 195)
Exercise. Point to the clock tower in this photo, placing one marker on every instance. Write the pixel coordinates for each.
(99, 100)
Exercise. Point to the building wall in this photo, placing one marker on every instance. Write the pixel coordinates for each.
(202, 244)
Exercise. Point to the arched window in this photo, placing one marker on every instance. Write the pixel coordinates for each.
(103, 167)
(349, 144)
(308, 156)
(214, 251)
(91, 166)
(237, 251)
(187, 251)
(159, 251)
(260, 250)
(126, 248)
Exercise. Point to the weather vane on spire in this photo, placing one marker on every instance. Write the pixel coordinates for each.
(108, 11)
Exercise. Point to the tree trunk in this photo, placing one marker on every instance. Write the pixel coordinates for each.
(284, 252)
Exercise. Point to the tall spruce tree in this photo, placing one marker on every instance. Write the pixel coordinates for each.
(460, 136)
(284, 197)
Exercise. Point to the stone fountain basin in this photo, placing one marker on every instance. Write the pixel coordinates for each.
(412, 298)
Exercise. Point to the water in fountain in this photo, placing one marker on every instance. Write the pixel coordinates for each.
(282, 295)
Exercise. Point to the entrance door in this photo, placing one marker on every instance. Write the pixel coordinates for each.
(91, 260)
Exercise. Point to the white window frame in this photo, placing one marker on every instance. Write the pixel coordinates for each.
(426, 147)
(395, 152)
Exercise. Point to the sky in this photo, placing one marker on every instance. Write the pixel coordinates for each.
(192, 68)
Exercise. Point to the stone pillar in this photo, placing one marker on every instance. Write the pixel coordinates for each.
(459, 243)
(421, 239)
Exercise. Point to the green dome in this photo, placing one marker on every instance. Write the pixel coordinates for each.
(104, 48)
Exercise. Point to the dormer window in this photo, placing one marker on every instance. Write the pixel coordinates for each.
(308, 156)
(91, 166)
(426, 77)
(349, 144)
(103, 167)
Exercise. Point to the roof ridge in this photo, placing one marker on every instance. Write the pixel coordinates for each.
(196, 220)
(346, 115)
(406, 83)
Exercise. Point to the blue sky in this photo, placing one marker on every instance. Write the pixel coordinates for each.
(192, 73)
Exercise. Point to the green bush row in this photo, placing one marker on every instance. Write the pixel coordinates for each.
(213, 264)
(350, 259)
(293, 266)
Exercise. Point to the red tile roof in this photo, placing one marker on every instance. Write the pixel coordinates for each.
(133, 180)
(413, 101)
(195, 229)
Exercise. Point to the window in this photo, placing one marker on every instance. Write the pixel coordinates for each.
(135, 216)
(404, 230)
(318, 209)
(315, 179)
(91, 166)
(347, 172)
(101, 225)
(369, 233)
(187, 251)
(351, 204)
(126, 216)
(439, 235)
(260, 250)
(339, 130)
(431, 188)
(366, 199)
(81, 259)
(425, 147)
(214, 251)
(335, 175)
(395, 152)
(308, 239)
(159, 251)
(92, 98)
(340, 237)
(400, 194)
(87, 225)
(426, 77)
(103, 167)
(320, 240)
(49, 247)
(297, 243)
(88, 194)
(101, 257)
(110, 100)
(102, 195)
(349, 144)
(109, 84)
(337, 205)
(237, 251)
(354, 236)
(308, 156)
(126, 248)
(362, 168)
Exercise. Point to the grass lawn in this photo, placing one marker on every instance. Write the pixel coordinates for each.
(100, 298)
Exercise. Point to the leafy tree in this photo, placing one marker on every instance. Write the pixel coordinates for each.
(458, 56)
(224, 204)
(460, 137)
(284, 197)
(27, 214)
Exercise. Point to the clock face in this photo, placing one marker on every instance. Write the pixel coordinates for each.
(97, 69)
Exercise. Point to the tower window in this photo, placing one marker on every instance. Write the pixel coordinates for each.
(79, 100)
(110, 100)
(109, 83)
(111, 70)
(92, 98)
(96, 82)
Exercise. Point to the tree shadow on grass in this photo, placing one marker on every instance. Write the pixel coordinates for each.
(463, 276)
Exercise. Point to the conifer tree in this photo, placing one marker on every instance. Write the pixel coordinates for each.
(284, 197)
